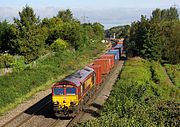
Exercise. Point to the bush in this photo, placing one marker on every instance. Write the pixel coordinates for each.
(136, 100)
(59, 45)
(19, 64)
(6, 60)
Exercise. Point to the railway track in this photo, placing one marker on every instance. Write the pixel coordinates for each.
(61, 123)
(27, 115)
(40, 115)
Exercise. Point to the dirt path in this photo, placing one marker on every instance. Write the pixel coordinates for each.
(94, 106)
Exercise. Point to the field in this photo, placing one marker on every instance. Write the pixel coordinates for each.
(19, 86)
(141, 97)
(174, 73)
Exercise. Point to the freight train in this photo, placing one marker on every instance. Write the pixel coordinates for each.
(70, 94)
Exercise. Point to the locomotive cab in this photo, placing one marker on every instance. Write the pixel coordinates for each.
(65, 96)
(64, 99)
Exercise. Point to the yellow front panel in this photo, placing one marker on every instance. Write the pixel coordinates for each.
(65, 100)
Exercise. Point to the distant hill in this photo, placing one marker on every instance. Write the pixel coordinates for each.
(119, 31)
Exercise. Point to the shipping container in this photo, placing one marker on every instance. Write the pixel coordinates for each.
(116, 54)
(109, 63)
(120, 48)
(110, 56)
(97, 69)
(117, 51)
(104, 65)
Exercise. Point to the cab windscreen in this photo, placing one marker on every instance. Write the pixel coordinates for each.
(58, 91)
(70, 91)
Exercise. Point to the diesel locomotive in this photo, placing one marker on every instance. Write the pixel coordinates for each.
(70, 94)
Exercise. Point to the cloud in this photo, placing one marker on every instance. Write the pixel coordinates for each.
(112, 17)
(8, 13)
(46, 12)
(108, 17)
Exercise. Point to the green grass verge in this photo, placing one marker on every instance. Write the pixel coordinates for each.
(17, 87)
(174, 73)
(141, 98)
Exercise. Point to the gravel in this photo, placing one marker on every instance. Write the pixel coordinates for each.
(24, 106)
(91, 111)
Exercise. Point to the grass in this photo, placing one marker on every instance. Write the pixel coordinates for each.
(140, 98)
(19, 86)
(174, 73)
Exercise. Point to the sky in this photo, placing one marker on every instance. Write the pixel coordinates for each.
(108, 12)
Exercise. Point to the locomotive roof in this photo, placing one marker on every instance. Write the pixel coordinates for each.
(78, 77)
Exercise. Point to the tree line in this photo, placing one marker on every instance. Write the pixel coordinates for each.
(157, 38)
(31, 37)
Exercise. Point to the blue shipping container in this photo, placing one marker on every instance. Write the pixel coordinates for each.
(115, 50)
(120, 47)
(116, 54)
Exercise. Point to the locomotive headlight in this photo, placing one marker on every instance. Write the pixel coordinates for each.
(56, 102)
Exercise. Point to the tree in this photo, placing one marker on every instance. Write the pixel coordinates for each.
(52, 26)
(156, 15)
(157, 38)
(170, 39)
(4, 36)
(98, 31)
(71, 32)
(173, 14)
(144, 39)
(138, 34)
(68, 31)
(66, 28)
(152, 45)
(174, 46)
(65, 15)
(165, 14)
(27, 36)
